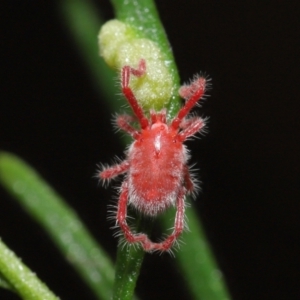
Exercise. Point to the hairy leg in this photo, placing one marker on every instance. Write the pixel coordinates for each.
(128, 93)
(121, 218)
(192, 126)
(122, 121)
(193, 92)
(178, 229)
(114, 171)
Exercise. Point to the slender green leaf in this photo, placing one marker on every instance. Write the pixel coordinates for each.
(63, 225)
(83, 22)
(21, 278)
(196, 260)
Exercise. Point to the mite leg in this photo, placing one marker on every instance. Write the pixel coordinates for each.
(121, 218)
(178, 229)
(114, 171)
(128, 93)
(193, 92)
(191, 127)
(122, 121)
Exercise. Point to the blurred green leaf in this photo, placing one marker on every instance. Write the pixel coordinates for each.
(62, 224)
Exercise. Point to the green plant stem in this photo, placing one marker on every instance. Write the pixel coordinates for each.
(60, 222)
(128, 264)
(20, 277)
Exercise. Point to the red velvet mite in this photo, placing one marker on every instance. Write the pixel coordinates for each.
(156, 172)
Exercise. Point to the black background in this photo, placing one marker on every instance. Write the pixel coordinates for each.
(51, 116)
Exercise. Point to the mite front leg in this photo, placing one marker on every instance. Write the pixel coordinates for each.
(128, 93)
(123, 122)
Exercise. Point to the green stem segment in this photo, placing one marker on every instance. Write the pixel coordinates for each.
(61, 223)
(128, 265)
(23, 281)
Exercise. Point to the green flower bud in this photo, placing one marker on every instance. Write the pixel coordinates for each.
(121, 46)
